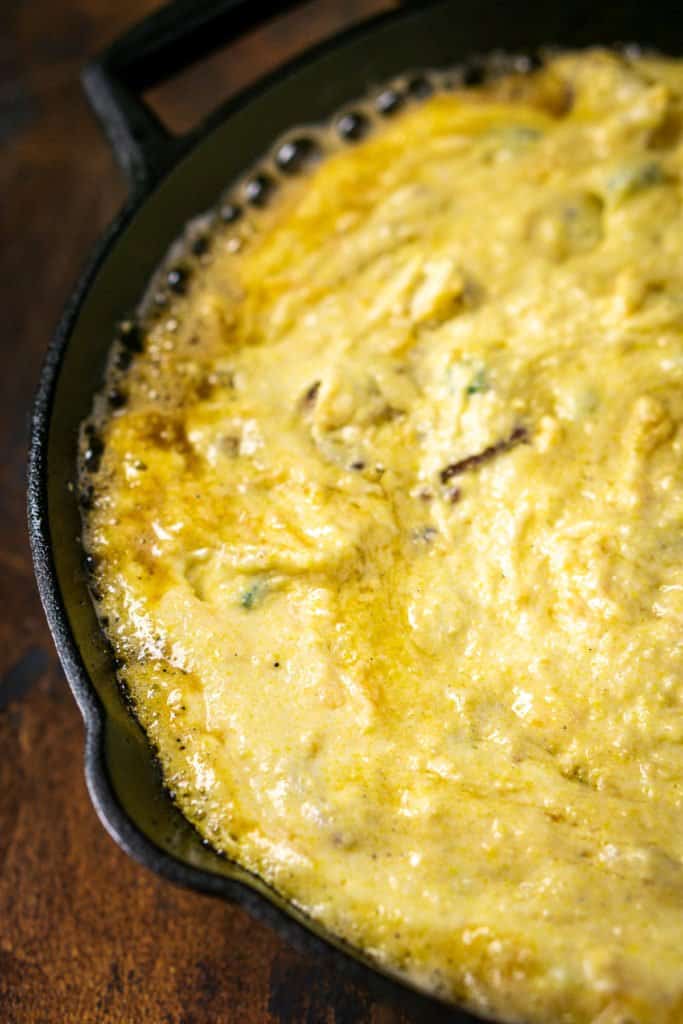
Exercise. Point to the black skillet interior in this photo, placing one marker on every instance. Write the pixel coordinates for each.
(173, 181)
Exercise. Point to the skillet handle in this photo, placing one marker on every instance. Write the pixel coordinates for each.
(162, 45)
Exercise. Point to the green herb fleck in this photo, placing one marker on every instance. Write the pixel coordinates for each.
(521, 133)
(478, 383)
(587, 402)
(254, 594)
(426, 534)
(633, 178)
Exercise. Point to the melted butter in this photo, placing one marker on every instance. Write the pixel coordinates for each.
(389, 536)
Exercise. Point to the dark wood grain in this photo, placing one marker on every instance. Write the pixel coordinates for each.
(86, 935)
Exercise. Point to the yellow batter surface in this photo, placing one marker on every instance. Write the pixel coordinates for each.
(389, 536)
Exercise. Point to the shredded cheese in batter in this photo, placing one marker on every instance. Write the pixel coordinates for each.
(388, 535)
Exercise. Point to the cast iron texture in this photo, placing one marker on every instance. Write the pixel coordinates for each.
(171, 181)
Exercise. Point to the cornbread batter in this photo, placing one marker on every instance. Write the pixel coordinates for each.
(387, 531)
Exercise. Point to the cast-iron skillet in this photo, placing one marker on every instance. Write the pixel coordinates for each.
(172, 180)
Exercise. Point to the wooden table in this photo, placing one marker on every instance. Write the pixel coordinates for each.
(86, 935)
